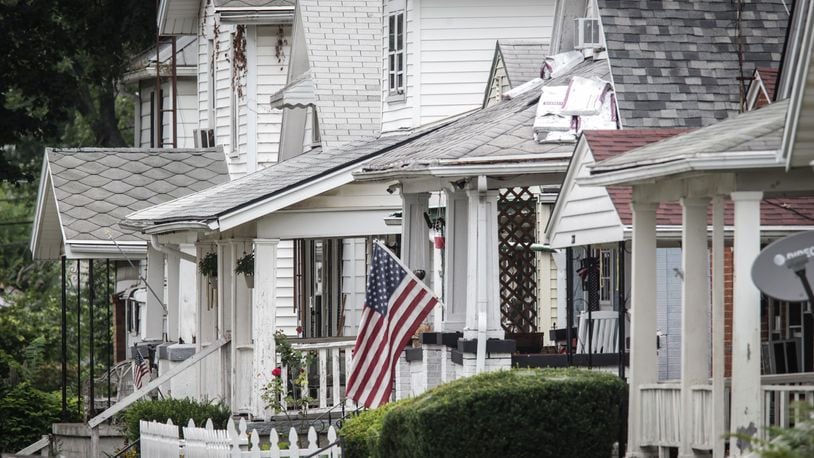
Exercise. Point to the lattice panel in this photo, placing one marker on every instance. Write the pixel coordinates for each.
(518, 268)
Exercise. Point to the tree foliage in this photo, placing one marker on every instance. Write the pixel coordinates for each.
(63, 60)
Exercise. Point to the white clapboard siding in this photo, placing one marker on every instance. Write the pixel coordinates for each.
(271, 77)
(668, 311)
(586, 215)
(449, 46)
(285, 313)
(354, 253)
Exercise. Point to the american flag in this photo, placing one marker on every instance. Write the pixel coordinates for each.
(396, 303)
(141, 369)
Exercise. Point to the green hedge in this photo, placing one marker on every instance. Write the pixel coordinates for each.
(27, 414)
(522, 412)
(178, 410)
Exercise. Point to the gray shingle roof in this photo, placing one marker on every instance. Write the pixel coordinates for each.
(758, 130)
(675, 63)
(344, 45)
(500, 130)
(522, 59)
(218, 200)
(96, 187)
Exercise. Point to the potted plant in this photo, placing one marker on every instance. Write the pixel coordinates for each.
(209, 265)
(245, 266)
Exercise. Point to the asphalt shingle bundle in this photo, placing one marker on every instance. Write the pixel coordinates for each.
(675, 63)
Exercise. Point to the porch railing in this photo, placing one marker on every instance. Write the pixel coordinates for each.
(661, 409)
(661, 414)
(782, 395)
(333, 359)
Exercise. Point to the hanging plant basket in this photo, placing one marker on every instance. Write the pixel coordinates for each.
(209, 265)
(245, 266)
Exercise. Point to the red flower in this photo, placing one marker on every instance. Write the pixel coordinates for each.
(299, 329)
(277, 372)
(302, 370)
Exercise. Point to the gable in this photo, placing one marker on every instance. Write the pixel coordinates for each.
(583, 215)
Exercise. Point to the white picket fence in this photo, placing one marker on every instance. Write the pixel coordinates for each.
(161, 440)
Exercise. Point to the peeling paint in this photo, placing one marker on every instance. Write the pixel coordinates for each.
(748, 352)
(744, 434)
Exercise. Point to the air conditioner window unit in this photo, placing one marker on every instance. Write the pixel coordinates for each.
(587, 34)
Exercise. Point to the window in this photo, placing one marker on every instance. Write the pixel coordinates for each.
(605, 276)
(395, 53)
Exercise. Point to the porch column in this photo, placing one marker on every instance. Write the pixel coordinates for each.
(241, 335)
(718, 363)
(263, 319)
(746, 398)
(457, 254)
(153, 326)
(415, 244)
(483, 290)
(694, 312)
(643, 360)
(173, 296)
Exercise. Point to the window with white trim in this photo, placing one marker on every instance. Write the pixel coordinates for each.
(605, 276)
(395, 53)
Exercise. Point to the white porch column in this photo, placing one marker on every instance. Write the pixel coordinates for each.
(457, 249)
(694, 312)
(746, 399)
(242, 359)
(643, 358)
(153, 327)
(173, 296)
(415, 244)
(483, 282)
(263, 318)
(718, 363)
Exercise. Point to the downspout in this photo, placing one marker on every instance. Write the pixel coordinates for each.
(154, 243)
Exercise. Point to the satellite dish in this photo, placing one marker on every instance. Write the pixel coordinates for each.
(775, 269)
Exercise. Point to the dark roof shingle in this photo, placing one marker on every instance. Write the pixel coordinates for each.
(675, 63)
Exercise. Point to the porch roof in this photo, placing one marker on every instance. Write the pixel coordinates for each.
(747, 141)
(496, 136)
(85, 192)
(186, 59)
(589, 215)
(308, 173)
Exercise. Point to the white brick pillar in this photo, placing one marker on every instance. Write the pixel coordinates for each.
(263, 318)
(483, 282)
(153, 326)
(643, 358)
(694, 312)
(746, 399)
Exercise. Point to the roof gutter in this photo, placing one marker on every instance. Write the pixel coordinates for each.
(170, 251)
(454, 169)
(707, 162)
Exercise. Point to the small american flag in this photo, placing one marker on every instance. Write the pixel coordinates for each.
(141, 369)
(396, 303)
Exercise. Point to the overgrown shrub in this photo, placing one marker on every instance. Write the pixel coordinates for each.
(26, 413)
(793, 442)
(178, 410)
(360, 434)
(522, 412)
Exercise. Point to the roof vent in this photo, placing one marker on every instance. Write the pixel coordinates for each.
(586, 33)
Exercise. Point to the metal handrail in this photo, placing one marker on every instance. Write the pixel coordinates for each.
(124, 450)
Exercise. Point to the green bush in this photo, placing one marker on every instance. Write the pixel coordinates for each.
(360, 434)
(27, 414)
(522, 412)
(178, 410)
